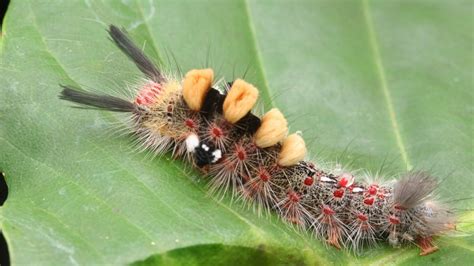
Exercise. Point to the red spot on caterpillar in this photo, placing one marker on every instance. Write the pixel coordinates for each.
(293, 197)
(362, 217)
(338, 193)
(372, 190)
(216, 132)
(394, 219)
(264, 175)
(308, 181)
(190, 123)
(343, 182)
(346, 180)
(399, 207)
(369, 201)
(240, 152)
(148, 93)
(328, 211)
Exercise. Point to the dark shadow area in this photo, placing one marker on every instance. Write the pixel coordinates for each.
(3, 10)
(4, 257)
(218, 254)
(3, 189)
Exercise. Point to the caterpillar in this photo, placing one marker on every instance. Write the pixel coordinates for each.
(211, 126)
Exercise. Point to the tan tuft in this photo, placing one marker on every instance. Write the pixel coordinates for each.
(196, 84)
(292, 151)
(239, 101)
(273, 129)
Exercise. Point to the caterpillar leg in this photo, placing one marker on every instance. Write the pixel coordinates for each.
(333, 238)
(426, 245)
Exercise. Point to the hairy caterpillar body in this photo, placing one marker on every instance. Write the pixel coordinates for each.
(256, 159)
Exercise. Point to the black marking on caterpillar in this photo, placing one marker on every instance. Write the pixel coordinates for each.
(251, 157)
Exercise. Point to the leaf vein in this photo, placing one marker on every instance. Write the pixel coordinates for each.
(383, 83)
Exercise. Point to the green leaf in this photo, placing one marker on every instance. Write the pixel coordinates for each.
(370, 83)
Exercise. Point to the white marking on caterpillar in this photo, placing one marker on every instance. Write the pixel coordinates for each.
(327, 179)
(217, 155)
(192, 141)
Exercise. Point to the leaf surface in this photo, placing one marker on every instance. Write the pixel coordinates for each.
(369, 83)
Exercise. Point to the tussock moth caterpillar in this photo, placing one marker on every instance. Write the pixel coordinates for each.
(259, 161)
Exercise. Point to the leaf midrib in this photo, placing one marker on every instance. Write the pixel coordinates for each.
(380, 73)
